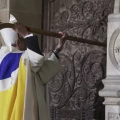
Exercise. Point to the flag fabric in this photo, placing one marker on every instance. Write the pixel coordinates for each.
(23, 76)
(12, 87)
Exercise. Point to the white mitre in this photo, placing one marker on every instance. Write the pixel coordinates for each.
(8, 34)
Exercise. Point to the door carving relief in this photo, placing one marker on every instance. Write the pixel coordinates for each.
(73, 93)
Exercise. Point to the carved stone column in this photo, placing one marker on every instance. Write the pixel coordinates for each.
(111, 91)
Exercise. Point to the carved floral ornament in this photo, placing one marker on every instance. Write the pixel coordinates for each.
(83, 19)
(73, 92)
(114, 49)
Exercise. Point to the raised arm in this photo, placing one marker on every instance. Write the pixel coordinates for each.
(45, 69)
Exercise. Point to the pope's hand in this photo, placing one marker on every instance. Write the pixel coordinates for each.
(61, 42)
(21, 29)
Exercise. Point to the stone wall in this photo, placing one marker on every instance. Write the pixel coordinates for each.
(4, 10)
(28, 12)
(4, 14)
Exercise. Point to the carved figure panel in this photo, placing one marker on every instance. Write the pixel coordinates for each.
(73, 93)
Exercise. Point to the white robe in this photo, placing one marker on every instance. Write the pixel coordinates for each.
(39, 71)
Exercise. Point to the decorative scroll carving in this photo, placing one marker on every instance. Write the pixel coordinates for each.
(62, 83)
(74, 91)
(92, 70)
(86, 15)
(75, 87)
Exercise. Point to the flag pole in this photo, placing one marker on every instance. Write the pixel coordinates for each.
(53, 34)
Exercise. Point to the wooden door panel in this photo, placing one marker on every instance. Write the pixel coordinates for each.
(73, 93)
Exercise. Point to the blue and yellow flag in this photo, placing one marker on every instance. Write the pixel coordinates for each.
(12, 87)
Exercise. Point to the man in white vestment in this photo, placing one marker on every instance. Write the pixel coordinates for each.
(24, 71)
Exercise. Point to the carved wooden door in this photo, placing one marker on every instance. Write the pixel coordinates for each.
(73, 93)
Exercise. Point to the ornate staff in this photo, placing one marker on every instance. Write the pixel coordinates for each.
(53, 34)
